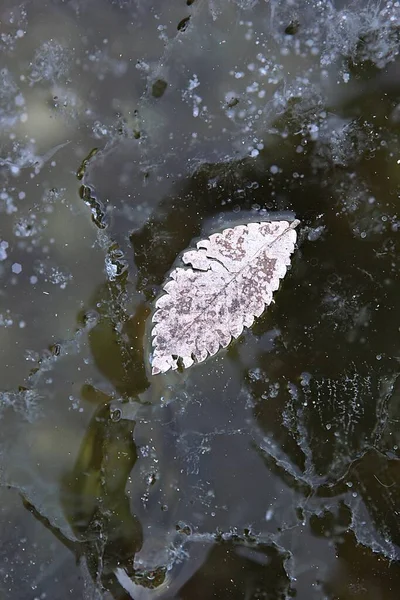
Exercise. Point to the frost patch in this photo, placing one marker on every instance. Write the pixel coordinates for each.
(24, 403)
(3, 250)
(101, 63)
(8, 92)
(6, 319)
(111, 269)
(190, 97)
(51, 62)
(53, 275)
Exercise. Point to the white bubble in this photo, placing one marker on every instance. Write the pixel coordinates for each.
(16, 268)
(19, 100)
(269, 514)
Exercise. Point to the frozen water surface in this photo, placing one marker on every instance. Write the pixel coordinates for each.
(128, 128)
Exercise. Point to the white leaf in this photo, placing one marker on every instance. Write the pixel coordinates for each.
(231, 280)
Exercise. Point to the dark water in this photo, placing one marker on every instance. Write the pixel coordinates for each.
(271, 470)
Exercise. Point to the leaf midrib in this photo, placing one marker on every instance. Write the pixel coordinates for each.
(292, 225)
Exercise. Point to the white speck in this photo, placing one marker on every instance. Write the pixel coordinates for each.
(346, 77)
(16, 268)
(269, 514)
(33, 279)
(274, 169)
(22, 324)
(254, 153)
(23, 118)
(20, 33)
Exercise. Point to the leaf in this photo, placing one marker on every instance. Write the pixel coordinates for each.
(231, 280)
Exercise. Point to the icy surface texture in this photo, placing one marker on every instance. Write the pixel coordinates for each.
(128, 128)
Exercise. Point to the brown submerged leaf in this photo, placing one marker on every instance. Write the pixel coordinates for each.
(231, 280)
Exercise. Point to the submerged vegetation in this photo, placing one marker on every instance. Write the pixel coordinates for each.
(270, 471)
